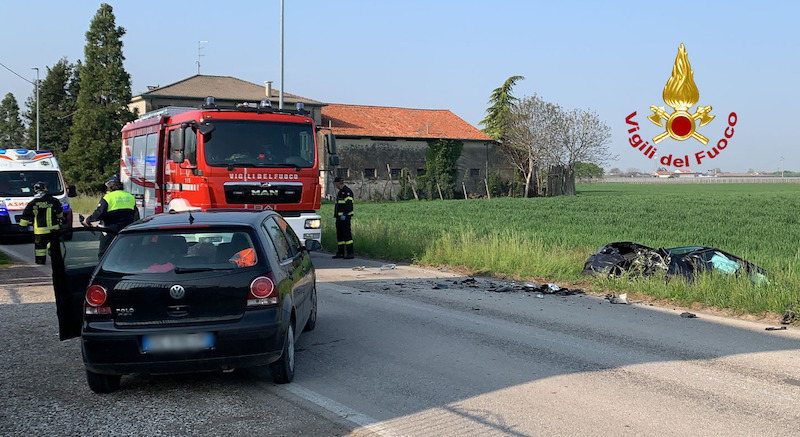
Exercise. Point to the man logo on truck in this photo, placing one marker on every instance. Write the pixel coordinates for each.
(266, 192)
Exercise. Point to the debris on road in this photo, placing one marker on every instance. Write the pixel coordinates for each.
(688, 315)
(622, 299)
(626, 257)
(440, 286)
(775, 328)
(502, 289)
(360, 268)
(789, 316)
(387, 267)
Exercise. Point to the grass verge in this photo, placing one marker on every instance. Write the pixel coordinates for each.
(551, 238)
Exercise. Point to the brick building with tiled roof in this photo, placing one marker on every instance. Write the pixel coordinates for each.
(376, 142)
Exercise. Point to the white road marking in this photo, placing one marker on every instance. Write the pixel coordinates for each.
(342, 411)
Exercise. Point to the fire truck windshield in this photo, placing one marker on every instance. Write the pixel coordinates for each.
(239, 143)
(20, 183)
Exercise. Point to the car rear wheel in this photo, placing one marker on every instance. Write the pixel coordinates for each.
(283, 369)
(100, 383)
(312, 318)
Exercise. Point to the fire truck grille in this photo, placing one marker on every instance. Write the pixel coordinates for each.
(238, 193)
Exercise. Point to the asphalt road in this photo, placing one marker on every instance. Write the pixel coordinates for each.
(406, 351)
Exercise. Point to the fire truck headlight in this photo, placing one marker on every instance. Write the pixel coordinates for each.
(313, 223)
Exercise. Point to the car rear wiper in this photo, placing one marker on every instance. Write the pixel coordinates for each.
(194, 269)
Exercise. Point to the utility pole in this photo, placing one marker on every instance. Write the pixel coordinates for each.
(280, 101)
(37, 107)
(199, 54)
(781, 167)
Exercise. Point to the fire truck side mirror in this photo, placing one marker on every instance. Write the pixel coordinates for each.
(71, 191)
(333, 160)
(330, 139)
(206, 128)
(177, 145)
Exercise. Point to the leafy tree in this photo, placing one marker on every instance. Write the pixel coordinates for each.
(498, 113)
(530, 139)
(586, 170)
(441, 170)
(57, 106)
(102, 109)
(615, 170)
(12, 131)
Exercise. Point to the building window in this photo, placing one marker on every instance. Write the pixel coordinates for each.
(474, 172)
(343, 172)
(396, 172)
(420, 172)
(369, 173)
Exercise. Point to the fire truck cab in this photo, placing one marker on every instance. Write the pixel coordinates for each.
(244, 157)
(20, 169)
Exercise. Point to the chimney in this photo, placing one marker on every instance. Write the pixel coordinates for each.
(268, 90)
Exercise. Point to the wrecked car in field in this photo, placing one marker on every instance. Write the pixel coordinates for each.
(629, 258)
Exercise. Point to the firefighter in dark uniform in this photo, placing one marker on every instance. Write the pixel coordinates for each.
(116, 210)
(46, 214)
(343, 213)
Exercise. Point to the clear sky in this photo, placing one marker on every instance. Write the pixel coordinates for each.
(611, 57)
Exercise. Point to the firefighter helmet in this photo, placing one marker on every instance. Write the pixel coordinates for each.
(40, 187)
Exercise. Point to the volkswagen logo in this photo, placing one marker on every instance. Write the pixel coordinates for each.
(177, 291)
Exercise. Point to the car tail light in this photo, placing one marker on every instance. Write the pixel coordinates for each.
(96, 300)
(263, 291)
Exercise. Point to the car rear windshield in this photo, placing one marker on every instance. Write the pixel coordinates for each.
(181, 251)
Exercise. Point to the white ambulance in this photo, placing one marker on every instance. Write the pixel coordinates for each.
(19, 170)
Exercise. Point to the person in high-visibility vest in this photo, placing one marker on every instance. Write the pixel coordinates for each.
(343, 213)
(116, 210)
(45, 213)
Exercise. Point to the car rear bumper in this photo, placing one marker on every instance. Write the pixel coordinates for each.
(256, 339)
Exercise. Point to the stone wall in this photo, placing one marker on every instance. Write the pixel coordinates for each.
(363, 164)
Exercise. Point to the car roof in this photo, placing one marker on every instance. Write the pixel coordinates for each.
(191, 219)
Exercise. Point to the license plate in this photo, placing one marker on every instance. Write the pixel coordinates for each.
(177, 342)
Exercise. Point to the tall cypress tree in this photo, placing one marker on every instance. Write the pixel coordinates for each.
(57, 105)
(105, 91)
(12, 131)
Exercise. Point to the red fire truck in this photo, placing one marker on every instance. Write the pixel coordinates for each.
(244, 157)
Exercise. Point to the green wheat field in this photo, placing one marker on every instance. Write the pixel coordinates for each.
(550, 238)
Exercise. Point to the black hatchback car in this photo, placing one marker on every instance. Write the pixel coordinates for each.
(186, 292)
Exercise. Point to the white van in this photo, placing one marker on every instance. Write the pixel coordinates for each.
(19, 170)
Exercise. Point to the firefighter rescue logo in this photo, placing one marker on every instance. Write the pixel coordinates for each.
(680, 93)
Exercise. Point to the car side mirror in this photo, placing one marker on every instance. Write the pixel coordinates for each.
(71, 191)
(313, 245)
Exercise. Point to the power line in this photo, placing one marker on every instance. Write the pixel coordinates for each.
(20, 76)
